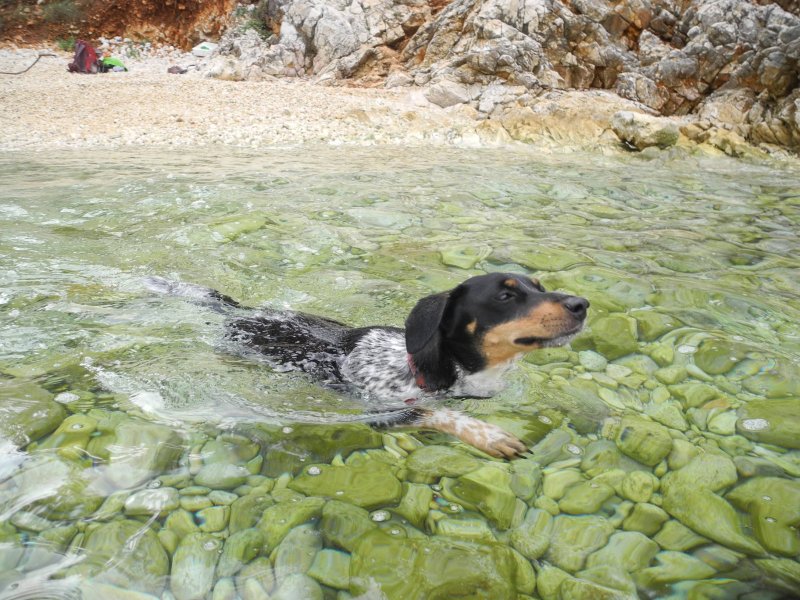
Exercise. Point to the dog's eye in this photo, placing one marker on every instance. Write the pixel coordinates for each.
(504, 296)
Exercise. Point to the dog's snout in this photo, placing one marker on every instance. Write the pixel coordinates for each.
(576, 306)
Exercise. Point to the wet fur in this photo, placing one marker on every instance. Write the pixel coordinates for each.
(458, 343)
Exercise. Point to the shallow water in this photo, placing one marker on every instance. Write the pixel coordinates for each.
(679, 403)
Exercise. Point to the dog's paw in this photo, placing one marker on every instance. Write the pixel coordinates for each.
(493, 440)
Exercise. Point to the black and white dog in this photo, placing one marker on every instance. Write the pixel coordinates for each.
(457, 343)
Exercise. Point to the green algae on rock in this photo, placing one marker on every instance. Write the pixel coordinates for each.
(771, 421)
(370, 485)
(644, 441)
(194, 566)
(28, 413)
(774, 507)
(487, 490)
(574, 538)
(141, 450)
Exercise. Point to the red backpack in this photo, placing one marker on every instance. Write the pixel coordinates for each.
(85, 59)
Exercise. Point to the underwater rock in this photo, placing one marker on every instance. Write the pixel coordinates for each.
(614, 336)
(646, 518)
(576, 537)
(676, 536)
(214, 518)
(585, 498)
(717, 356)
(181, 522)
(532, 537)
(140, 451)
(557, 481)
(331, 568)
(592, 361)
(298, 586)
(644, 441)
(304, 444)
(279, 519)
(430, 463)
(774, 506)
(415, 503)
(221, 476)
(651, 325)
(194, 565)
(256, 579)
(771, 421)
(423, 567)
(160, 501)
(240, 548)
(71, 437)
(247, 510)
(28, 413)
(672, 567)
(344, 525)
(95, 590)
(296, 552)
(602, 456)
(486, 490)
(629, 550)
(638, 486)
(369, 486)
(689, 497)
(128, 554)
(224, 589)
(785, 570)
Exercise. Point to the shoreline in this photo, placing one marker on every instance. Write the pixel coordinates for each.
(48, 108)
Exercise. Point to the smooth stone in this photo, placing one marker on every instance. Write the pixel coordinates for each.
(29, 521)
(240, 548)
(222, 476)
(592, 361)
(370, 486)
(95, 590)
(693, 395)
(673, 566)
(415, 503)
(532, 537)
(470, 529)
(785, 570)
(487, 490)
(279, 519)
(525, 575)
(682, 454)
(751, 466)
(298, 586)
(662, 354)
(556, 481)
(229, 448)
(526, 479)
(774, 507)
(344, 525)
(644, 441)
(159, 501)
(780, 382)
(71, 436)
(181, 522)
(638, 486)
(771, 421)
(688, 495)
(615, 336)
(574, 538)
(195, 503)
(464, 257)
(603, 456)
(430, 463)
(296, 552)
(221, 498)
(141, 450)
(28, 413)
(430, 567)
(256, 579)
(628, 550)
(127, 554)
(667, 413)
(676, 536)
(224, 589)
(585, 498)
(671, 375)
(247, 510)
(169, 539)
(645, 518)
(214, 518)
(717, 356)
(723, 423)
(331, 568)
(651, 325)
(194, 565)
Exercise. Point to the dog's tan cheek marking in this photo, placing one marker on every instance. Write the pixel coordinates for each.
(472, 326)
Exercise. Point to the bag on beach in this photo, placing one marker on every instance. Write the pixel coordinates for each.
(85, 59)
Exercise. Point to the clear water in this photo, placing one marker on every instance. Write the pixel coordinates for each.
(359, 235)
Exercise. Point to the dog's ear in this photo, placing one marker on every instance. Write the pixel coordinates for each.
(424, 340)
(422, 324)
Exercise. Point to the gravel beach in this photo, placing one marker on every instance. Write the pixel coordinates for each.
(47, 107)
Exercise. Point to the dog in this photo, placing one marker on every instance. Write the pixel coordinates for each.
(457, 343)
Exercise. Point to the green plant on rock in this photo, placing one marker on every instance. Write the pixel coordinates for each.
(66, 44)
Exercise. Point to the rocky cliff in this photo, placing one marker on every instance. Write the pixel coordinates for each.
(727, 63)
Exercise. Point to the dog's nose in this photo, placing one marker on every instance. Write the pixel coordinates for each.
(576, 306)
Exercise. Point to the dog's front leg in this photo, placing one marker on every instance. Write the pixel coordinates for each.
(486, 437)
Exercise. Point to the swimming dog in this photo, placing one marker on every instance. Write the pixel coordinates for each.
(457, 343)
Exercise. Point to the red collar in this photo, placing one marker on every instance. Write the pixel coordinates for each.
(419, 378)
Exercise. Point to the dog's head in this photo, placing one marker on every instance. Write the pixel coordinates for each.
(486, 321)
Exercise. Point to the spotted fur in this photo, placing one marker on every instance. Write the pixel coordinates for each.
(456, 344)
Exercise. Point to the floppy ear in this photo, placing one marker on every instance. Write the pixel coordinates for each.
(424, 341)
(422, 324)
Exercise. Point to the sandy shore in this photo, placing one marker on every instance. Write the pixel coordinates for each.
(48, 107)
